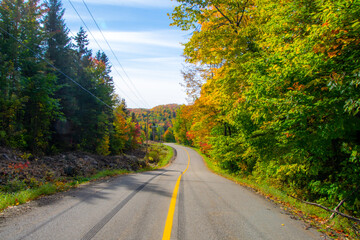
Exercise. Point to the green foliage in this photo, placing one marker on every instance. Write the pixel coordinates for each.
(280, 95)
(154, 153)
(165, 160)
(308, 213)
(18, 192)
(181, 126)
(169, 135)
(41, 110)
(156, 121)
(103, 146)
(159, 154)
(14, 185)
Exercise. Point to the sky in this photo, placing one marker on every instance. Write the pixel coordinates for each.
(148, 49)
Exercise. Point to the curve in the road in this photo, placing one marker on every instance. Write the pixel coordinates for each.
(203, 205)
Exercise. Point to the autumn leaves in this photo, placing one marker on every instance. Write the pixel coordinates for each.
(279, 95)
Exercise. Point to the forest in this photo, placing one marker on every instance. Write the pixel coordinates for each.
(157, 122)
(273, 84)
(56, 94)
(275, 93)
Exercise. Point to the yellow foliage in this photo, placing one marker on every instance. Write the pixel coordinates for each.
(103, 146)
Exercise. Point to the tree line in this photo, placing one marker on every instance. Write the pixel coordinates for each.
(55, 94)
(275, 92)
(157, 122)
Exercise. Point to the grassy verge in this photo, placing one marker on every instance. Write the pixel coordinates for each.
(159, 155)
(166, 159)
(337, 228)
(39, 189)
(23, 193)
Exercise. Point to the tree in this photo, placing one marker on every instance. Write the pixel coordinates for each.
(59, 51)
(194, 79)
(169, 135)
(11, 101)
(58, 42)
(120, 133)
(280, 98)
(31, 93)
(55, 95)
(182, 124)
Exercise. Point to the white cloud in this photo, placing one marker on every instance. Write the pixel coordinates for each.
(164, 38)
(174, 60)
(158, 83)
(134, 3)
(155, 92)
(152, 60)
(75, 18)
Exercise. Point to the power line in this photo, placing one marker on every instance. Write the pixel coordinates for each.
(72, 33)
(136, 93)
(82, 20)
(50, 64)
(73, 36)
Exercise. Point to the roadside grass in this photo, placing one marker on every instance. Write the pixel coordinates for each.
(159, 155)
(23, 196)
(337, 228)
(17, 192)
(166, 159)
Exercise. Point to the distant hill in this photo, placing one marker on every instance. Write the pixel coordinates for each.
(159, 119)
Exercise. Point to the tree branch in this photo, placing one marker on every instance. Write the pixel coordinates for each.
(337, 208)
(228, 19)
(342, 201)
(242, 15)
(329, 210)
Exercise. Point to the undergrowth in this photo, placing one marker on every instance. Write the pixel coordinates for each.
(159, 155)
(337, 228)
(17, 191)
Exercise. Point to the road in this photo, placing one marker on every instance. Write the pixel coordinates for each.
(137, 206)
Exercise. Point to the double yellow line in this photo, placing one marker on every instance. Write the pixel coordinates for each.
(170, 216)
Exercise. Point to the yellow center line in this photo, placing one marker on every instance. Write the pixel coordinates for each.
(170, 216)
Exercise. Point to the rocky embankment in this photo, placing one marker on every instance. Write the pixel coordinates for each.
(16, 165)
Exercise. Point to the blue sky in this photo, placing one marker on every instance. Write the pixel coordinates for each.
(148, 49)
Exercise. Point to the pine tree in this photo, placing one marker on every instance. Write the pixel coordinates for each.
(41, 107)
(28, 106)
(11, 131)
(59, 51)
(58, 42)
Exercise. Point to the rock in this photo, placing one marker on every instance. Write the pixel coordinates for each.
(47, 159)
(5, 156)
(70, 171)
(70, 157)
(69, 164)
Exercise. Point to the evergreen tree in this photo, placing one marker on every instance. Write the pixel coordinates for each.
(81, 113)
(28, 105)
(104, 89)
(40, 108)
(59, 51)
(58, 42)
(11, 131)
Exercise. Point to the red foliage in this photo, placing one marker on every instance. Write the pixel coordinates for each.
(20, 166)
(204, 147)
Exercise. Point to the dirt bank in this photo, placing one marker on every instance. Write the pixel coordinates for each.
(17, 165)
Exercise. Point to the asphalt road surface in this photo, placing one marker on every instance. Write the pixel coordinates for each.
(182, 201)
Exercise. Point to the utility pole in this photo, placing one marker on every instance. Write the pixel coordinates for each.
(153, 131)
(147, 132)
